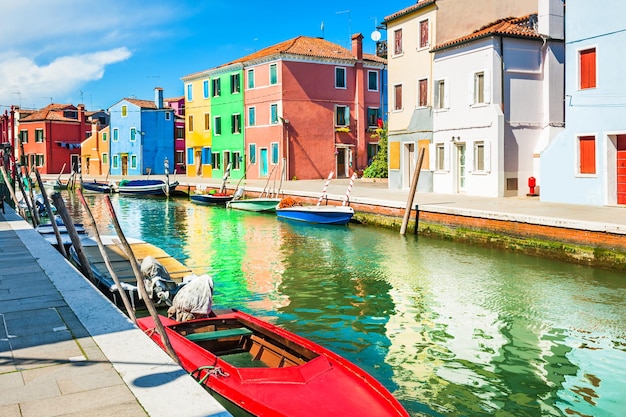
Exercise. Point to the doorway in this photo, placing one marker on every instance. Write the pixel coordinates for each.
(343, 162)
(460, 168)
(408, 164)
(125, 164)
(264, 164)
(621, 169)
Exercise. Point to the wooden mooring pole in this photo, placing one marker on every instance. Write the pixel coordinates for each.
(53, 222)
(409, 201)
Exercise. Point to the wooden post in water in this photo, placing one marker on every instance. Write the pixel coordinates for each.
(46, 202)
(409, 201)
(31, 191)
(92, 222)
(34, 217)
(12, 191)
(140, 284)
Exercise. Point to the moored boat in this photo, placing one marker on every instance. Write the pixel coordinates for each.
(265, 370)
(98, 187)
(339, 215)
(214, 199)
(146, 187)
(255, 204)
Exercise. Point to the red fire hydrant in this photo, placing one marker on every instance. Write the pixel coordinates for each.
(532, 183)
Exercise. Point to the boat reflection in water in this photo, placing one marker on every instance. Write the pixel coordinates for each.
(449, 329)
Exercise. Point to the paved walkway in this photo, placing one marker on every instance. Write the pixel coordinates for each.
(65, 350)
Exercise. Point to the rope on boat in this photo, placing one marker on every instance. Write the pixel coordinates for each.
(210, 371)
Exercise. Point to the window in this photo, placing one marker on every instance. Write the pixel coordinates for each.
(397, 97)
(251, 116)
(587, 154)
(116, 134)
(133, 161)
(236, 160)
(235, 120)
(227, 159)
(397, 42)
(423, 35)
(116, 161)
(168, 115)
(273, 74)
(587, 59)
(217, 87)
(422, 93)
(251, 78)
(217, 125)
(39, 160)
(372, 80)
(440, 157)
(207, 121)
(479, 156)
(441, 95)
(274, 114)
(190, 123)
(252, 153)
(274, 151)
(207, 156)
(133, 134)
(180, 133)
(105, 158)
(124, 111)
(205, 88)
(342, 115)
(190, 158)
(479, 87)
(24, 136)
(235, 85)
(340, 77)
(104, 136)
(373, 114)
(180, 157)
(216, 161)
(38, 135)
(189, 92)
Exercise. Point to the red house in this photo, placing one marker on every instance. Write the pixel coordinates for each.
(50, 138)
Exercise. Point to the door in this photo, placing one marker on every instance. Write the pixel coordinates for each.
(621, 169)
(409, 162)
(342, 166)
(198, 162)
(460, 167)
(125, 164)
(75, 161)
(263, 159)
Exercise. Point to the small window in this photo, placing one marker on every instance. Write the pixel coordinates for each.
(422, 93)
(38, 135)
(190, 123)
(180, 157)
(24, 136)
(342, 115)
(479, 87)
(116, 161)
(479, 156)
(189, 92)
(236, 160)
(251, 116)
(227, 159)
(274, 150)
(133, 161)
(274, 114)
(217, 87)
(397, 97)
(168, 115)
(423, 35)
(207, 121)
(373, 114)
(133, 134)
(340, 77)
(440, 157)
(235, 85)
(124, 111)
(180, 133)
(273, 74)
(440, 98)
(252, 153)
(372, 80)
(587, 154)
(397, 42)
(105, 158)
(216, 160)
(251, 78)
(116, 134)
(104, 136)
(587, 63)
(217, 125)
(235, 120)
(39, 160)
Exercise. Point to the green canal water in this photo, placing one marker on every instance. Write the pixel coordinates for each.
(449, 329)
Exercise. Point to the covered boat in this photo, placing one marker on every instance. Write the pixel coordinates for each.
(265, 370)
(255, 204)
(146, 187)
(98, 187)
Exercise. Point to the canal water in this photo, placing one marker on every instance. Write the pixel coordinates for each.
(450, 329)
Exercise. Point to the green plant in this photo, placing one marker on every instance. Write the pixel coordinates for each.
(379, 166)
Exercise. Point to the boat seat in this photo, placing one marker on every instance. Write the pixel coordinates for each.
(218, 334)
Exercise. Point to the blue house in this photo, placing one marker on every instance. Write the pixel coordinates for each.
(142, 136)
(586, 164)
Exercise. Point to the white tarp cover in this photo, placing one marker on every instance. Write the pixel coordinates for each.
(194, 300)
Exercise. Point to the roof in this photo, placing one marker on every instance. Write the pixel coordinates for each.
(50, 112)
(144, 104)
(418, 5)
(517, 27)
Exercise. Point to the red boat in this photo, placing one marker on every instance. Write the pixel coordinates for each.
(267, 371)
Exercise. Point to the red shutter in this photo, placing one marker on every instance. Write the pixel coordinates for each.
(587, 154)
(423, 98)
(588, 68)
(398, 97)
(398, 42)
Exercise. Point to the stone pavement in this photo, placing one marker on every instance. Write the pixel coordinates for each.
(65, 350)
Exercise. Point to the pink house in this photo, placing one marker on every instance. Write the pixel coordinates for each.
(311, 106)
(178, 105)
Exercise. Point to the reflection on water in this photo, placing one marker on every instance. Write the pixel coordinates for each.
(450, 329)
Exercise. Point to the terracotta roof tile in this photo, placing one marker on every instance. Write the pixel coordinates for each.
(418, 5)
(518, 27)
(50, 112)
(144, 104)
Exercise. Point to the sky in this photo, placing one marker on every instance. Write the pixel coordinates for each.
(72, 51)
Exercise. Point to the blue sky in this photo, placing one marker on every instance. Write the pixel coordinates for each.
(71, 51)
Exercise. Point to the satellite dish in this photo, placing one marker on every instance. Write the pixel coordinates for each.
(375, 36)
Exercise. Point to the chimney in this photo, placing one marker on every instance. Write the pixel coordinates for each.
(551, 18)
(357, 46)
(81, 113)
(158, 97)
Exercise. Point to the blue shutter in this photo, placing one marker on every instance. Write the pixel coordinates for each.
(190, 156)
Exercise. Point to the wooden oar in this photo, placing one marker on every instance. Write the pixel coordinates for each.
(46, 203)
(92, 223)
(140, 284)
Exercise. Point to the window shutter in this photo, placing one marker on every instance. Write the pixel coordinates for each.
(487, 152)
(436, 94)
(446, 94)
(487, 85)
(190, 156)
(432, 156)
(469, 156)
(446, 156)
(471, 83)
(347, 115)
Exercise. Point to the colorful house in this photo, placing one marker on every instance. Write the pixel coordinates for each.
(198, 125)
(178, 105)
(586, 164)
(50, 138)
(95, 151)
(142, 136)
(498, 98)
(411, 33)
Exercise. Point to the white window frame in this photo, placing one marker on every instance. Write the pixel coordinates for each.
(419, 34)
(401, 51)
(269, 74)
(346, 115)
(345, 78)
(417, 104)
(474, 94)
(394, 109)
(115, 137)
(441, 103)
(251, 120)
(133, 134)
(368, 80)
(250, 81)
(274, 122)
(133, 161)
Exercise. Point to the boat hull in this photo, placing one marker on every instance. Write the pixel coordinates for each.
(338, 215)
(255, 204)
(283, 374)
(98, 187)
(211, 199)
(146, 187)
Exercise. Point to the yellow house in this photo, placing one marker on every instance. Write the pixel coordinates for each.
(94, 153)
(198, 136)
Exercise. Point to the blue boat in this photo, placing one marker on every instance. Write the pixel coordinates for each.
(146, 187)
(215, 199)
(317, 214)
